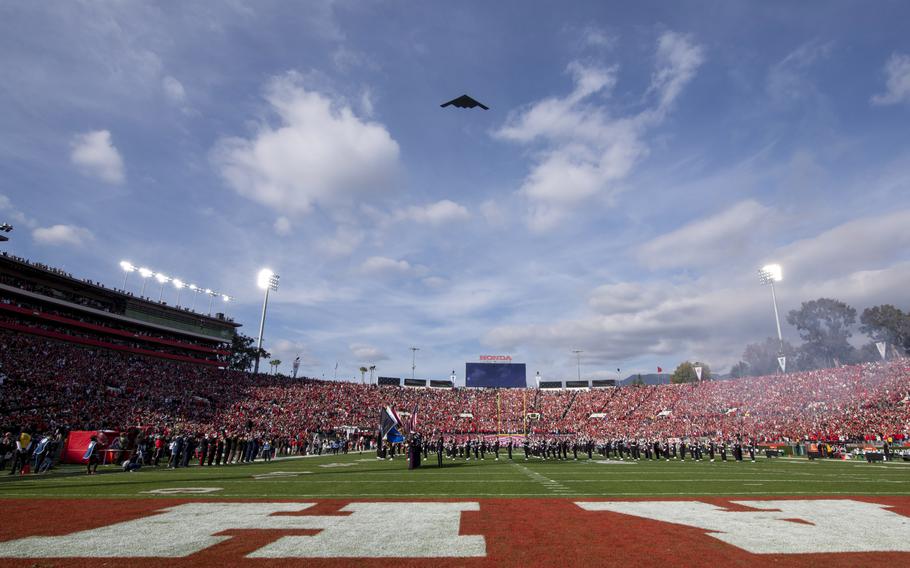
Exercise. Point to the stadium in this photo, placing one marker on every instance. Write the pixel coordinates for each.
(396, 322)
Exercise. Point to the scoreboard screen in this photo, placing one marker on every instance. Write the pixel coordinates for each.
(495, 375)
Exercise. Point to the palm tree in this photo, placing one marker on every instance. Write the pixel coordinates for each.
(363, 372)
(372, 368)
(275, 363)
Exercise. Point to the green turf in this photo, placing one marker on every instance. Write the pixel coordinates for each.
(363, 476)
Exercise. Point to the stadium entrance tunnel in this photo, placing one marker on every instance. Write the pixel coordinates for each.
(495, 532)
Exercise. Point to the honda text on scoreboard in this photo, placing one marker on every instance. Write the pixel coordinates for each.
(495, 371)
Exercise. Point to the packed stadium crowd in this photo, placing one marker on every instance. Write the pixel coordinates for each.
(48, 386)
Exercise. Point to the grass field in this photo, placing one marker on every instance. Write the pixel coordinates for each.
(363, 476)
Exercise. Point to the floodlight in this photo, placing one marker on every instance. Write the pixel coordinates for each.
(161, 278)
(225, 297)
(178, 283)
(145, 272)
(264, 278)
(771, 273)
(208, 291)
(125, 265)
(193, 287)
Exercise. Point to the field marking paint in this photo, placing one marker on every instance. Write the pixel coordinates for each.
(422, 530)
(274, 474)
(344, 464)
(183, 490)
(829, 525)
(542, 479)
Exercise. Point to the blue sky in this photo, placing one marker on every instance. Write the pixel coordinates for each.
(637, 166)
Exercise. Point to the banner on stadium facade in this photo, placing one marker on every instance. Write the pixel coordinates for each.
(882, 347)
(782, 361)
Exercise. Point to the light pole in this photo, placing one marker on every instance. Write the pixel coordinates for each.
(145, 273)
(770, 274)
(266, 280)
(127, 268)
(162, 279)
(195, 290)
(578, 353)
(178, 283)
(414, 351)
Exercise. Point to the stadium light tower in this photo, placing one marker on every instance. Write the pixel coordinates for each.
(162, 279)
(145, 273)
(195, 289)
(127, 268)
(178, 283)
(578, 353)
(266, 280)
(414, 351)
(769, 274)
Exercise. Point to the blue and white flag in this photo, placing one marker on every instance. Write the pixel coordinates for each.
(390, 425)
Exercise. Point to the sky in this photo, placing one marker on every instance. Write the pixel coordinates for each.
(638, 164)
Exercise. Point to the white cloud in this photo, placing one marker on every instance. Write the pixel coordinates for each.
(788, 79)
(282, 226)
(321, 153)
(367, 353)
(383, 265)
(173, 90)
(438, 213)
(587, 151)
(897, 81)
(723, 235)
(862, 262)
(678, 58)
(435, 281)
(13, 215)
(94, 153)
(345, 241)
(62, 235)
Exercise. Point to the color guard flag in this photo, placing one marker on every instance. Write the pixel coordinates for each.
(659, 370)
(390, 425)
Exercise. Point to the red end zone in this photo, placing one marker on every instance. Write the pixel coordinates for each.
(463, 532)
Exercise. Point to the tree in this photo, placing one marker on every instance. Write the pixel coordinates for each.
(824, 325)
(685, 373)
(372, 368)
(243, 353)
(275, 363)
(886, 323)
(363, 372)
(740, 370)
(761, 358)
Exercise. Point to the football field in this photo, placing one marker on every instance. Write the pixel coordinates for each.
(358, 475)
(355, 510)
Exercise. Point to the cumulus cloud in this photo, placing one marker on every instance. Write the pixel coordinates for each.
(282, 226)
(379, 265)
(723, 235)
(345, 241)
(95, 154)
(367, 353)
(173, 90)
(62, 235)
(319, 154)
(438, 213)
(586, 151)
(863, 262)
(897, 81)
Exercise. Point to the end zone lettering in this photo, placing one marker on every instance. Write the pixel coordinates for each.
(421, 530)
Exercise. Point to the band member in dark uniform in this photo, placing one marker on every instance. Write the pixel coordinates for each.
(496, 448)
(439, 446)
(711, 449)
(752, 451)
(682, 451)
(510, 448)
(723, 451)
